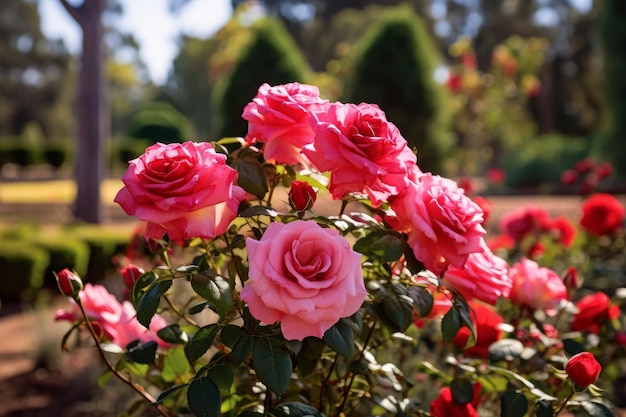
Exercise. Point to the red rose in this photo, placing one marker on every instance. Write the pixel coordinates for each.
(301, 196)
(523, 221)
(602, 214)
(69, 283)
(583, 369)
(444, 406)
(564, 230)
(130, 274)
(593, 310)
(487, 324)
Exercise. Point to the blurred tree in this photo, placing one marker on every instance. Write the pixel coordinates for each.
(92, 112)
(33, 71)
(270, 57)
(394, 67)
(613, 145)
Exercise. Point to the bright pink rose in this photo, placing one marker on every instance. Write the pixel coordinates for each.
(444, 226)
(278, 118)
(304, 276)
(183, 189)
(536, 287)
(486, 322)
(602, 214)
(524, 221)
(118, 321)
(485, 277)
(362, 150)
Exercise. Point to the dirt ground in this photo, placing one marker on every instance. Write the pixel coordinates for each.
(38, 380)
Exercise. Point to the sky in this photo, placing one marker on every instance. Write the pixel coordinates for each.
(155, 29)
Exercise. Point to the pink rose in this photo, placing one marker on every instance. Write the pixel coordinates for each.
(536, 287)
(278, 118)
(183, 189)
(485, 277)
(444, 226)
(304, 276)
(118, 321)
(362, 150)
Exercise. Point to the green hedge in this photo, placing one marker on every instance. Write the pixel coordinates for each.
(19, 151)
(23, 267)
(64, 253)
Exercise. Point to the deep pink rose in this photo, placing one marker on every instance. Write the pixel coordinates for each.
(485, 277)
(524, 221)
(444, 226)
(118, 321)
(362, 150)
(536, 287)
(278, 118)
(183, 189)
(602, 214)
(304, 276)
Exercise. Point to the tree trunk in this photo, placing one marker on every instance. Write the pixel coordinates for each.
(93, 128)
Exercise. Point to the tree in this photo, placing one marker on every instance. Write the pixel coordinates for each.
(92, 115)
(394, 67)
(33, 71)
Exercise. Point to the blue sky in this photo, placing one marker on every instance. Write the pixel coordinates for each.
(154, 27)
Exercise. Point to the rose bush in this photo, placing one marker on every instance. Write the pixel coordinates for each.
(247, 298)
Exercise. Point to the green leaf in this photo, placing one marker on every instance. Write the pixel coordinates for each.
(513, 404)
(381, 245)
(543, 409)
(168, 392)
(198, 308)
(142, 352)
(422, 299)
(230, 334)
(173, 334)
(175, 364)
(222, 375)
(462, 390)
(150, 301)
(597, 409)
(242, 349)
(395, 308)
(309, 355)
(272, 364)
(252, 177)
(204, 398)
(187, 268)
(294, 409)
(254, 211)
(340, 338)
(450, 325)
(143, 281)
(201, 342)
(215, 289)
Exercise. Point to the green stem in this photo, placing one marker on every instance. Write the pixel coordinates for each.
(136, 387)
(570, 396)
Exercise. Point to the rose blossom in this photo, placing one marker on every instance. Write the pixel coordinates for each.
(444, 406)
(183, 189)
(362, 150)
(487, 323)
(593, 310)
(118, 321)
(536, 287)
(304, 276)
(485, 277)
(523, 221)
(444, 226)
(301, 196)
(602, 214)
(583, 369)
(278, 118)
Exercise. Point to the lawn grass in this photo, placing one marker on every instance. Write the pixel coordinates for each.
(57, 191)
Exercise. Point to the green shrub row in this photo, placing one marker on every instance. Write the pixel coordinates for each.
(29, 258)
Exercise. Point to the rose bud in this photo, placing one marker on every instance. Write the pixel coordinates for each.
(571, 279)
(583, 369)
(301, 196)
(69, 283)
(131, 274)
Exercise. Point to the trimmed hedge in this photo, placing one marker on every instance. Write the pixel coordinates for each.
(63, 253)
(23, 267)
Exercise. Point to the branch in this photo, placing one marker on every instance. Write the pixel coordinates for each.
(75, 11)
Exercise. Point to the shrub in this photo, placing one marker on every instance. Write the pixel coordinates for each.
(159, 122)
(57, 153)
(19, 151)
(271, 57)
(393, 66)
(63, 253)
(541, 161)
(127, 149)
(22, 267)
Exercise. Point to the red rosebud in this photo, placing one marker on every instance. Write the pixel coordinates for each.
(571, 279)
(131, 274)
(69, 283)
(583, 369)
(301, 196)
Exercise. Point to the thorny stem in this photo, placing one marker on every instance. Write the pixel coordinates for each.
(571, 395)
(136, 387)
(179, 313)
(324, 389)
(344, 204)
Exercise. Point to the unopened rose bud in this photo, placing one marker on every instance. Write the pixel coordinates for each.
(130, 274)
(301, 196)
(583, 369)
(571, 279)
(69, 283)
